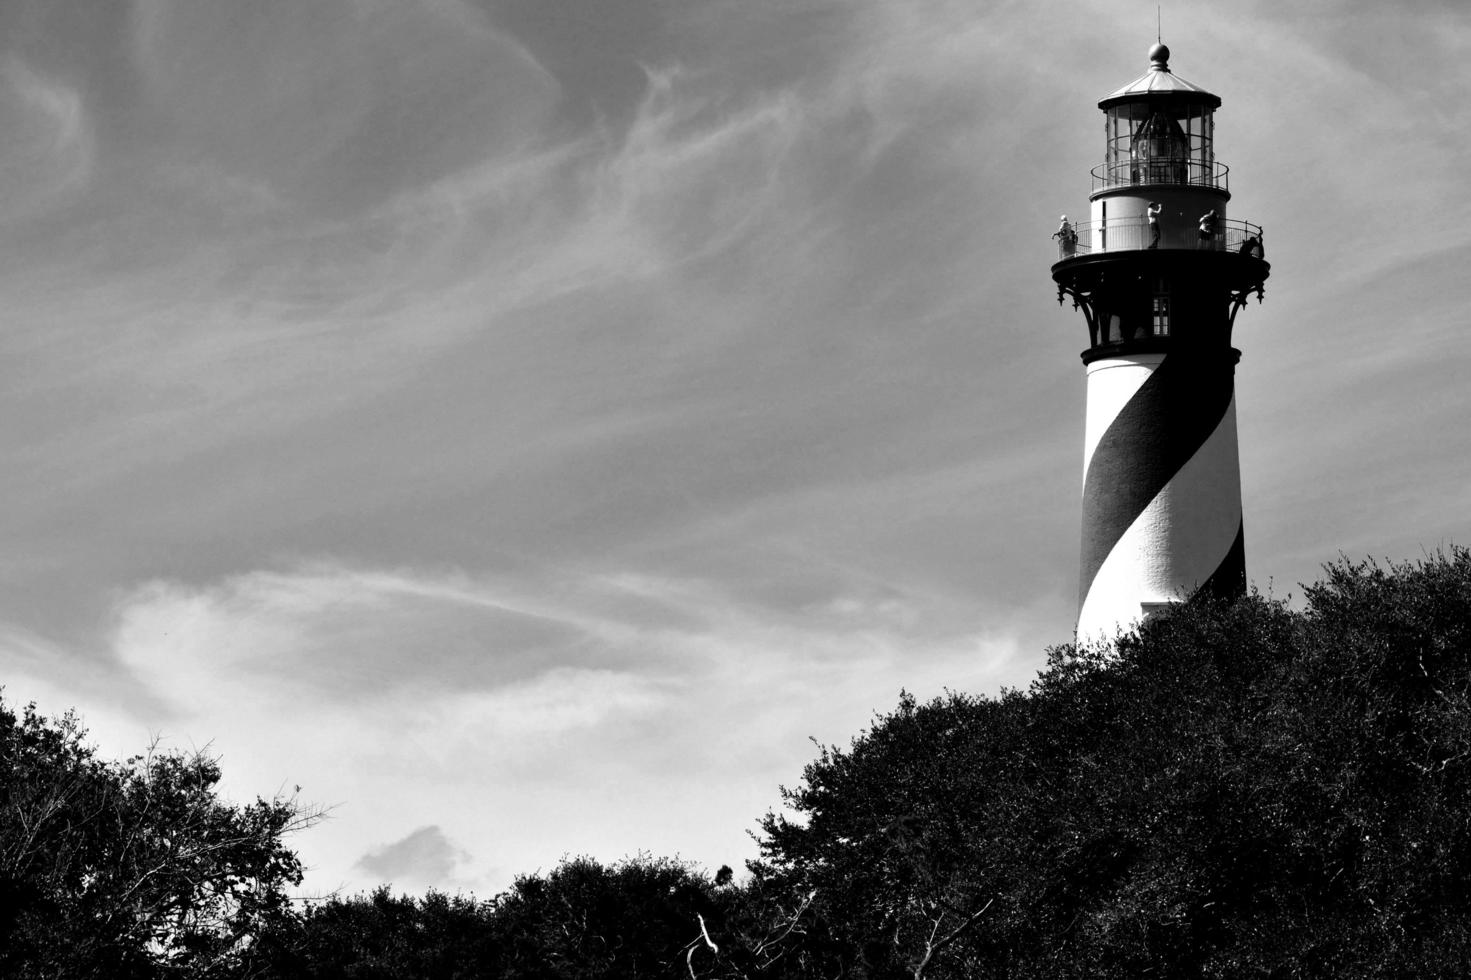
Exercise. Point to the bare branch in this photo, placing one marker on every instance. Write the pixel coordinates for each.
(932, 946)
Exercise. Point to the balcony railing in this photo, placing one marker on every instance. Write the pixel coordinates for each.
(1132, 234)
(1192, 173)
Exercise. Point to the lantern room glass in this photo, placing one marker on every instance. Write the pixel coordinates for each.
(1151, 132)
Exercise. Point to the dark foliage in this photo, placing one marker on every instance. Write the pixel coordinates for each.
(383, 937)
(582, 921)
(133, 869)
(1239, 791)
(632, 920)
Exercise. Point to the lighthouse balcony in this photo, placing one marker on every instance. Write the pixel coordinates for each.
(1176, 172)
(1133, 234)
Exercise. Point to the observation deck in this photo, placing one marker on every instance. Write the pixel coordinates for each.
(1132, 233)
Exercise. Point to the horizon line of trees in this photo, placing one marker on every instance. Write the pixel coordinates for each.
(1238, 790)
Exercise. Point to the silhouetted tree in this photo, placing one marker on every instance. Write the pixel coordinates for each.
(130, 869)
(633, 919)
(384, 937)
(1239, 791)
(583, 920)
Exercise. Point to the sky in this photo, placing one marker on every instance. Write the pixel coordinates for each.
(527, 425)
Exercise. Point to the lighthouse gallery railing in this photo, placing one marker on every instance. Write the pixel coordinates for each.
(1129, 234)
(1191, 173)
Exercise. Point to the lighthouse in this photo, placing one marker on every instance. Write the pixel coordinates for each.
(1159, 270)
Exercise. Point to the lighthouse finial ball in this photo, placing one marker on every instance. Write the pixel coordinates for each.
(1159, 56)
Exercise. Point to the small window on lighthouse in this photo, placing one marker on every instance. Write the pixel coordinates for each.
(1160, 322)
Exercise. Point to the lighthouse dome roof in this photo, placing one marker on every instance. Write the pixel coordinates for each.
(1160, 83)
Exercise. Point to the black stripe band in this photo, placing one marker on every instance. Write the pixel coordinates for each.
(1229, 578)
(1166, 421)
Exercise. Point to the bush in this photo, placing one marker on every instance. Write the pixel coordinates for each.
(1240, 790)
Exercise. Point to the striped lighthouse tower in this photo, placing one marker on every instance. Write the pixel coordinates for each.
(1160, 272)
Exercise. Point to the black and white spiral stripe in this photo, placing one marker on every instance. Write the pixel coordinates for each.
(1161, 487)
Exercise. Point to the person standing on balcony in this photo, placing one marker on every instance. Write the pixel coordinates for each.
(1208, 229)
(1066, 237)
(1152, 214)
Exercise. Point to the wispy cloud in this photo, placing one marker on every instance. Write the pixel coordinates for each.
(48, 151)
(558, 687)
